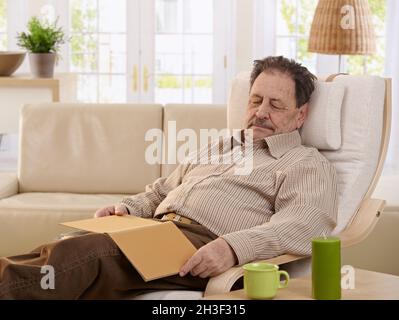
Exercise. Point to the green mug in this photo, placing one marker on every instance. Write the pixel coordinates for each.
(262, 280)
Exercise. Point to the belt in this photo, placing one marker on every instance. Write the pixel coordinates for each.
(172, 216)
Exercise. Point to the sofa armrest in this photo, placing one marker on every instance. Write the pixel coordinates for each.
(225, 281)
(8, 184)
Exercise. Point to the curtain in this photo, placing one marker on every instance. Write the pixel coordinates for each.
(392, 71)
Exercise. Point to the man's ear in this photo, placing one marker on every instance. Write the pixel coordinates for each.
(302, 114)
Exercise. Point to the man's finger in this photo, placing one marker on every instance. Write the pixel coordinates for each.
(102, 213)
(120, 210)
(205, 274)
(198, 269)
(191, 263)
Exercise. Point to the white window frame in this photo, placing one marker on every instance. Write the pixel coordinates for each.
(140, 51)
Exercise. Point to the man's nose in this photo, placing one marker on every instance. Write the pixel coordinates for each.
(263, 111)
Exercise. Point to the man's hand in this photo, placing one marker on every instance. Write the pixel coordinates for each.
(210, 260)
(110, 211)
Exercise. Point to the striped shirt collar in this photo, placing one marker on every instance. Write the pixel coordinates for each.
(278, 144)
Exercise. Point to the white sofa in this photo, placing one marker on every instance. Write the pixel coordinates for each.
(76, 158)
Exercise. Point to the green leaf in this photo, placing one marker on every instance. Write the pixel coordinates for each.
(42, 37)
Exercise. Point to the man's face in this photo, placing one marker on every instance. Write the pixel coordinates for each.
(272, 106)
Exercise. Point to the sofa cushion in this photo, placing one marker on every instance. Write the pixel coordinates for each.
(110, 138)
(193, 118)
(324, 112)
(31, 219)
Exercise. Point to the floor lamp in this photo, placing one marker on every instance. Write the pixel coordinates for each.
(342, 27)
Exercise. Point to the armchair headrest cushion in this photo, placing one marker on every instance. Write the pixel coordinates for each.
(322, 128)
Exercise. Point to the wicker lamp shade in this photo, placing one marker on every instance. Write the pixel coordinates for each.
(331, 34)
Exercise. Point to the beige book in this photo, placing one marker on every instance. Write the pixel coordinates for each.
(155, 249)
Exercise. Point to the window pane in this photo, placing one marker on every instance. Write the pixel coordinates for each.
(203, 89)
(168, 63)
(169, 16)
(306, 11)
(81, 62)
(112, 14)
(83, 15)
(188, 92)
(168, 89)
(198, 16)
(198, 55)
(184, 56)
(3, 25)
(83, 53)
(87, 88)
(3, 41)
(286, 46)
(294, 17)
(169, 43)
(98, 49)
(3, 15)
(112, 53)
(286, 17)
(198, 89)
(83, 43)
(373, 64)
(308, 59)
(112, 89)
(168, 55)
(378, 8)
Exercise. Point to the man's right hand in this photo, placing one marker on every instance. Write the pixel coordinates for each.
(110, 211)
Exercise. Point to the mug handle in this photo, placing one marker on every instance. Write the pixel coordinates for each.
(287, 278)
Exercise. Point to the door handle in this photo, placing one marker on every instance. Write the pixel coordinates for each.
(135, 78)
(145, 78)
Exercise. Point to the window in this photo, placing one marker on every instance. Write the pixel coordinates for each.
(3, 24)
(294, 19)
(98, 49)
(164, 53)
(373, 64)
(183, 51)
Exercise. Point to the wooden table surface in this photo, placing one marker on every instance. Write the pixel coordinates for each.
(369, 285)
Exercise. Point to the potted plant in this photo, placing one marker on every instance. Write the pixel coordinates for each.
(42, 41)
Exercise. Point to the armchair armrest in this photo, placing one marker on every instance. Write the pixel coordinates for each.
(225, 281)
(8, 184)
(357, 230)
(363, 222)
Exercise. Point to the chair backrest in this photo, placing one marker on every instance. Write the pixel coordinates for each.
(86, 148)
(365, 129)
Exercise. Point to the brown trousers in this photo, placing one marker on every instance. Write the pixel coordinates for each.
(89, 266)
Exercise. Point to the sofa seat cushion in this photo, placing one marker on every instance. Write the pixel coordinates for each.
(28, 220)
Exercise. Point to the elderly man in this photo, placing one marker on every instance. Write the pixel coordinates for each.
(289, 197)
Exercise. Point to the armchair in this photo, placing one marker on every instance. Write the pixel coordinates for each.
(358, 162)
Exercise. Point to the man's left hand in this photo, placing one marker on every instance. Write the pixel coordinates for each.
(210, 260)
